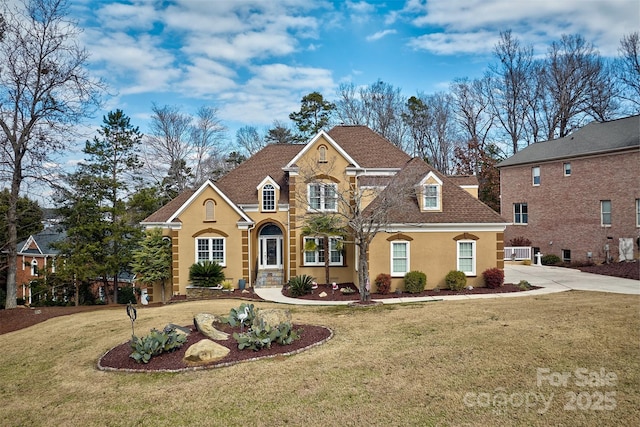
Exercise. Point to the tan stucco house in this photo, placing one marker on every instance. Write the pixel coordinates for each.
(251, 220)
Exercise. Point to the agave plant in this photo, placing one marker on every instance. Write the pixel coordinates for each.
(206, 274)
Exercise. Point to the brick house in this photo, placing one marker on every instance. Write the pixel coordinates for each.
(576, 196)
(250, 220)
(36, 259)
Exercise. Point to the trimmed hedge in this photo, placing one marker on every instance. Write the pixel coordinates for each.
(493, 278)
(456, 280)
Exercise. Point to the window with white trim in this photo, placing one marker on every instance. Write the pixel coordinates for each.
(467, 257)
(317, 257)
(567, 168)
(520, 213)
(431, 197)
(34, 267)
(535, 174)
(605, 213)
(637, 212)
(322, 154)
(399, 258)
(268, 198)
(211, 249)
(322, 197)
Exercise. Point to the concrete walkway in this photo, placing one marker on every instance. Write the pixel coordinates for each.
(550, 279)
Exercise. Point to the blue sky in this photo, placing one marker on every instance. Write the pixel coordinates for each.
(255, 59)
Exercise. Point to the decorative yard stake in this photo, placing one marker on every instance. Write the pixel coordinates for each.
(132, 313)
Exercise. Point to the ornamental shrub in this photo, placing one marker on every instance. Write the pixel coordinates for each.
(456, 280)
(383, 283)
(493, 278)
(415, 282)
(551, 259)
(520, 241)
(300, 285)
(157, 342)
(206, 274)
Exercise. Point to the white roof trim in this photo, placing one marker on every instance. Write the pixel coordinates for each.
(26, 245)
(198, 192)
(331, 142)
(445, 227)
(268, 180)
(431, 175)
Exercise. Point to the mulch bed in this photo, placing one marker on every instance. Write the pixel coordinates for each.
(625, 269)
(117, 359)
(355, 296)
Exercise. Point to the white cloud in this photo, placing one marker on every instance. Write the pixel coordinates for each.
(540, 21)
(380, 34)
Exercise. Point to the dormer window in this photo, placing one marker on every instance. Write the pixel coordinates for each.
(209, 210)
(268, 195)
(268, 198)
(431, 196)
(431, 191)
(322, 154)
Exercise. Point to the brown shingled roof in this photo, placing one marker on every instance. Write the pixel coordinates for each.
(368, 148)
(164, 213)
(240, 184)
(464, 179)
(458, 206)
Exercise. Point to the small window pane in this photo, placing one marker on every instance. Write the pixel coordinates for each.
(536, 175)
(605, 209)
(567, 169)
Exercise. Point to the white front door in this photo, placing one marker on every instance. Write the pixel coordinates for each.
(271, 251)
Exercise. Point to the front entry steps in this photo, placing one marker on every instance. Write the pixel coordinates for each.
(269, 278)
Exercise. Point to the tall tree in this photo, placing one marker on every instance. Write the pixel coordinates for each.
(383, 105)
(29, 216)
(45, 90)
(279, 133)
(349, 107)
(576, 84)
(180, 142)
(152, 261)
(627, 69)
(248, 138)
(510, 89)
(109, 175)
(314, 115)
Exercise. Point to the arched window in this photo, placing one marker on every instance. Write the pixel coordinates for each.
(268, 198)
(322, 154)
(34, 267)
(209, 210)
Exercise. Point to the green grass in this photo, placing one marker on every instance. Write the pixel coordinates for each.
(410, 364)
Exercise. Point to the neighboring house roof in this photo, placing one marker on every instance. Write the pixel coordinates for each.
(41, 243)
(594, 138)
(458, 206)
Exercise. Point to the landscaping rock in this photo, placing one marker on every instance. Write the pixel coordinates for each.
(179, 329)
(323, 294)
(205, 351)
(204, 323)
(272, 316)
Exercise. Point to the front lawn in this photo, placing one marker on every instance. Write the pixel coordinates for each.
(561, 359)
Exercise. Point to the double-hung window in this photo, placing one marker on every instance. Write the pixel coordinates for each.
(317, 257)
(210, 249)
(637, 212)
(567, 168)
(431, 197)
(322, 197)
(520, 213)
(605, 213)
(467, 257)
(535, 175)
(399, 258)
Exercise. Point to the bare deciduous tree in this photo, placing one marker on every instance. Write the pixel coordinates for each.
(248, 138)
(576, 85)
(627, 69)
(45, 90)
(181, 141)
(510, 88)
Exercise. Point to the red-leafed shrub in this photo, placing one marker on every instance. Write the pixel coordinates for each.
(493, 278)
(383, 283)
(520, 241)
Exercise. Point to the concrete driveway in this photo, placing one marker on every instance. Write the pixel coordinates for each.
(560, 278)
